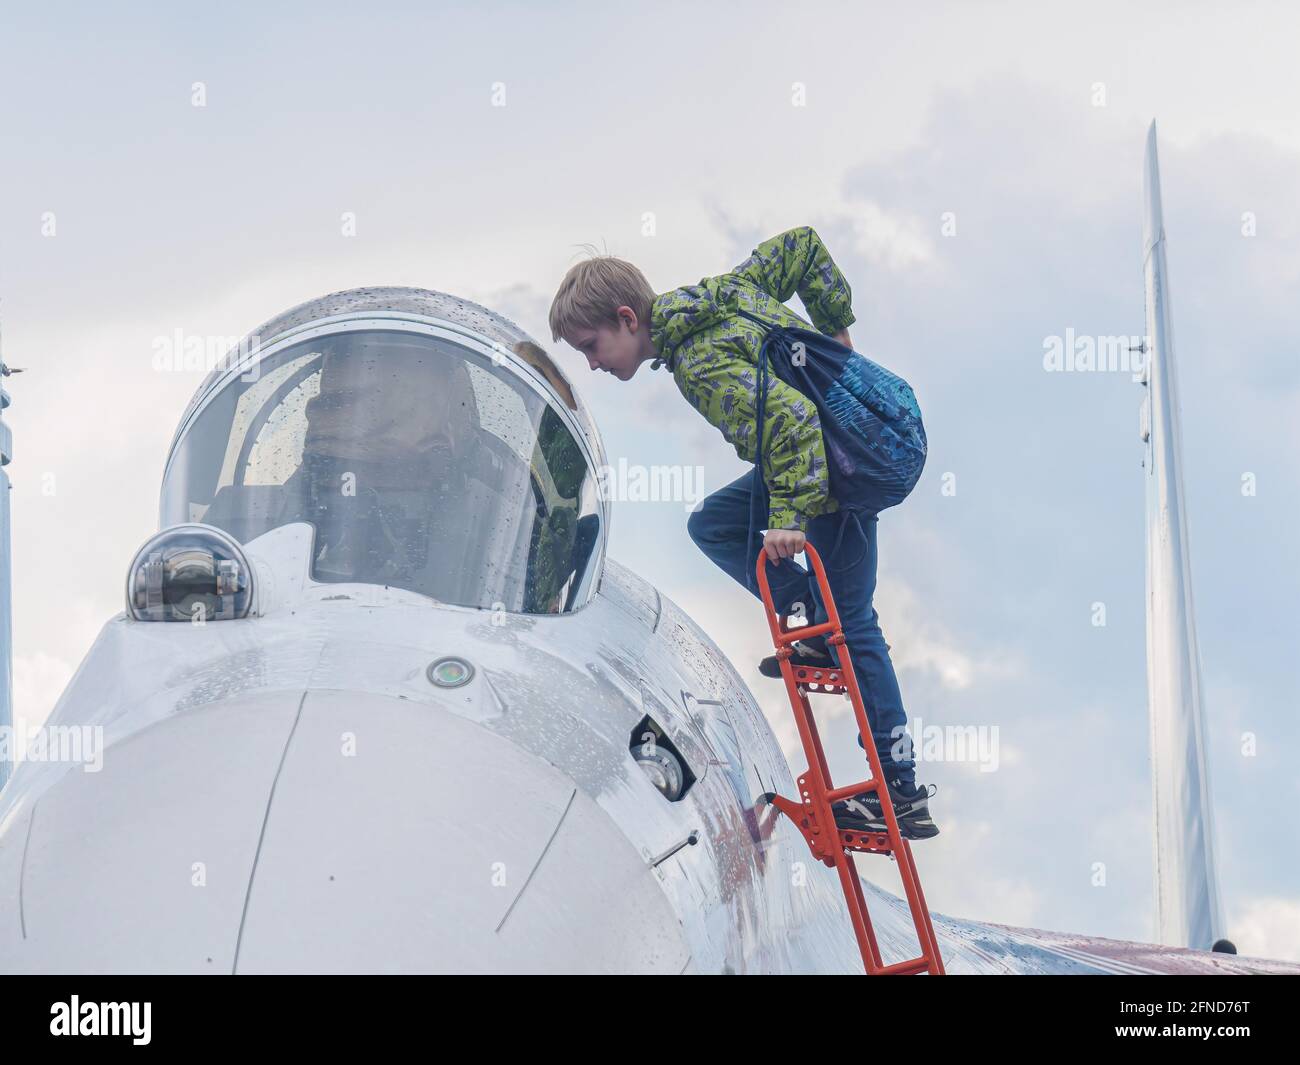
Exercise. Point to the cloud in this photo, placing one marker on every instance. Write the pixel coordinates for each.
(945, 864)
(984, 594)
(39, 680)
(919, 643)
(1267, 928)
(919, 649)
(892, 240)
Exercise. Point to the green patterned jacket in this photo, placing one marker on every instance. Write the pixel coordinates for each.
(713, 354)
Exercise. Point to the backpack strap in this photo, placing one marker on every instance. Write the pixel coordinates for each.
(759, 497)
(760, 321)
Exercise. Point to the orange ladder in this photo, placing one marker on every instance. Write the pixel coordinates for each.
(813, 816)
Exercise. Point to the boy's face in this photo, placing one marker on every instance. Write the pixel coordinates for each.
(619, 350)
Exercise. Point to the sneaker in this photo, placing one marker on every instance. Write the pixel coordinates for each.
(804, 653)
(863, 813)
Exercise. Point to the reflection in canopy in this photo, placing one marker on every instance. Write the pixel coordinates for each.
(421, 464)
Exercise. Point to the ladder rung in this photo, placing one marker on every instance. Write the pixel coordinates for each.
(866, 842)
(827, 676)
(905, 968)
(835, 794)
(803, 632)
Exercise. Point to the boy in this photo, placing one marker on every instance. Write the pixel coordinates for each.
(607, 310)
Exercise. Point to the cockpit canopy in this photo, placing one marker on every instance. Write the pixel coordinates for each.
(424, 457)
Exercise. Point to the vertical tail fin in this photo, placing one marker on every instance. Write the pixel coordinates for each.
(1186, 877)
(6, 636)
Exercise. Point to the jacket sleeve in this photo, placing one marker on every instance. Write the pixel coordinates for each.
(722, 384)
(797, 261)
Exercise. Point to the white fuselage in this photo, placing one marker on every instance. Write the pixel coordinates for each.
(291, 793)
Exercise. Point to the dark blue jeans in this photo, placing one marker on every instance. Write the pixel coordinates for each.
(846, 543)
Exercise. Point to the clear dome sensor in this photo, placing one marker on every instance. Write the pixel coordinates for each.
(450, 672)
(191, 572)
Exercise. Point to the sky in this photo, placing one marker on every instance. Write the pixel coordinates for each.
(976, 173)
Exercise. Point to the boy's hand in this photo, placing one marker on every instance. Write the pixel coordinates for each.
(782, 543)
(843, 337)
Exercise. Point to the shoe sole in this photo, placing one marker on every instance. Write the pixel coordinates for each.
(923, 830)
(915, 824)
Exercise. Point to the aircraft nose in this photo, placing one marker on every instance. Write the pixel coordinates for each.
(327, 832)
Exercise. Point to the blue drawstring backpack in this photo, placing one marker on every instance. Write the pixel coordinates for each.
(871, 423)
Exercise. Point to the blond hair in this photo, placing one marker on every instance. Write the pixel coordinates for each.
(593, 291)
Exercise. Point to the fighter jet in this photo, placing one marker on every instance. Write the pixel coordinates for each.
(379, 701)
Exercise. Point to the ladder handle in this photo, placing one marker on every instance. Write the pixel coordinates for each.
(782, 637)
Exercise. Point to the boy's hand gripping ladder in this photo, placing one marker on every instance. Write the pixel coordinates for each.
(813, 816)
